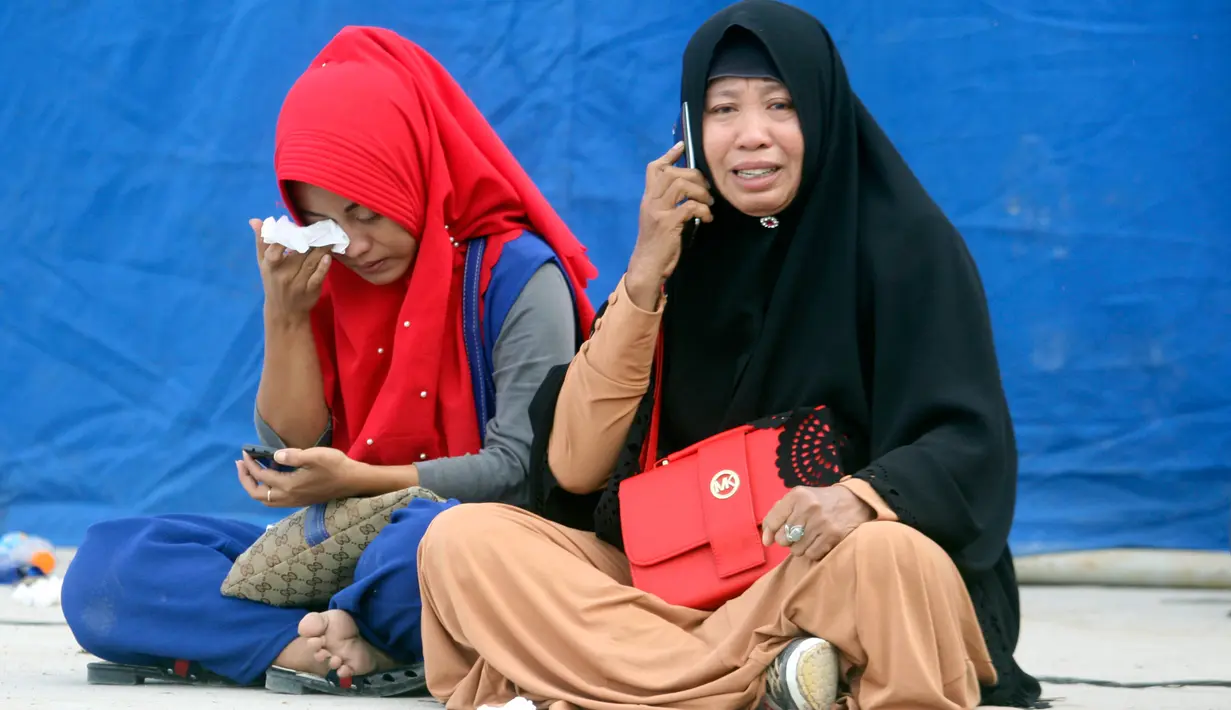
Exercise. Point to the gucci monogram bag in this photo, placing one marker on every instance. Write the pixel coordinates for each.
(306, 558)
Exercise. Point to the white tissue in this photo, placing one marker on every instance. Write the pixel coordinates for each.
(39, 591)
(290, 235)
(518, 703)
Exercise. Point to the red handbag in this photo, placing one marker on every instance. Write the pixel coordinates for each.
(692, 522)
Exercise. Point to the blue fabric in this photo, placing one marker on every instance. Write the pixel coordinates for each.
(314, 530)
(1080, 148)
(146, 591)
(384, 598)
(519, 260)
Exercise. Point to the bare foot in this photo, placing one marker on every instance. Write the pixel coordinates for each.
(334, 638)
(299, 656)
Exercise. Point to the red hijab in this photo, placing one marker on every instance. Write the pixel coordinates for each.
(378, 121)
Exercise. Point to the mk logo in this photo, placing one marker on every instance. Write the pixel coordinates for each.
(724, 484)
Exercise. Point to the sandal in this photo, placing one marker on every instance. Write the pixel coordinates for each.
(179, 672)
(405, 680)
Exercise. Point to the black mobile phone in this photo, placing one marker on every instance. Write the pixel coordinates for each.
(264, 455)
(683, 132)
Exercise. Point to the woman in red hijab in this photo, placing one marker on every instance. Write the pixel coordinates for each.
(409, 359)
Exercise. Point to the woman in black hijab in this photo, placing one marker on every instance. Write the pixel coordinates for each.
(823, 283)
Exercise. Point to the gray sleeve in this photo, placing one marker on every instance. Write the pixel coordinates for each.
(538, 334)
(268, 437)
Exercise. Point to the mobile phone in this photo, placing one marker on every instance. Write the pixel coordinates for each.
(683, 132)
(264, 455)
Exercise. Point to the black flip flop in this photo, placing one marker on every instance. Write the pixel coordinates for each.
(179, 672)
(406, 680)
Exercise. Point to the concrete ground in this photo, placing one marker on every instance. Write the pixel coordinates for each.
(1124, 635)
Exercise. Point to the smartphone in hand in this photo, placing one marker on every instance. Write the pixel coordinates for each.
(264, 455)
(683, 132)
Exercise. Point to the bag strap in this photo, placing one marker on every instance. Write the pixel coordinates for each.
(480, 378)
(649, 450)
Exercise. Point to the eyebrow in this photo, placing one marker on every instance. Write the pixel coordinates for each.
(765, 86)
(349, 208)
(769, 86)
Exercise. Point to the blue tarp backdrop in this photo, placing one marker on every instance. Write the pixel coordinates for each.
(1082, 148)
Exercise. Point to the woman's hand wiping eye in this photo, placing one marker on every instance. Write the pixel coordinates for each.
(292, 280)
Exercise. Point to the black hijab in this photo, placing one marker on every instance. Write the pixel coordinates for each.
(863, 298)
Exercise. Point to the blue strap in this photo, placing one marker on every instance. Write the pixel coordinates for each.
(314, 530)
(480, 378)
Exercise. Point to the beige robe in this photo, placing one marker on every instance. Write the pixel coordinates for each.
(516, 605)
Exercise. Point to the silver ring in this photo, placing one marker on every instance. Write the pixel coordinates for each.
(269, 495)
(794, 533)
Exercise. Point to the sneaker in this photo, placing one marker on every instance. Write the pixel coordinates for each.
(803, 677)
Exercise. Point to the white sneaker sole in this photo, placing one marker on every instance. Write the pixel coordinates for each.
(812, 674)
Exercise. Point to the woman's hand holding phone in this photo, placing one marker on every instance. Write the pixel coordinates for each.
(317, 475)
(673, 195)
